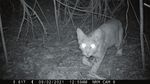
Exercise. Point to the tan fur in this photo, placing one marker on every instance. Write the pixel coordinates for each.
(96, 43)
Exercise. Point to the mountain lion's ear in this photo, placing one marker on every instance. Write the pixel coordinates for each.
(80, 35)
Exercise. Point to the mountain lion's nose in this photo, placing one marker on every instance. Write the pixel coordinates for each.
(88, 54)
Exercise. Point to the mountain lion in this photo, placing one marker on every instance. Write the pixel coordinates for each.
(97, 42)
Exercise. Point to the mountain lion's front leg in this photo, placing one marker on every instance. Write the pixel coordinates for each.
(99, 59)
(96, 65)
(85, 61)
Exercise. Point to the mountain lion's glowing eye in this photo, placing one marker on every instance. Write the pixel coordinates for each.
(83, 45)
(93, 46)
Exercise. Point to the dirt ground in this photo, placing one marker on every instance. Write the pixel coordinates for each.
(49, 58)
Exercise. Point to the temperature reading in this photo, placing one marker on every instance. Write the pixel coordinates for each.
(13, 81)
(20, 81)
(31, 81)
(114, 81)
